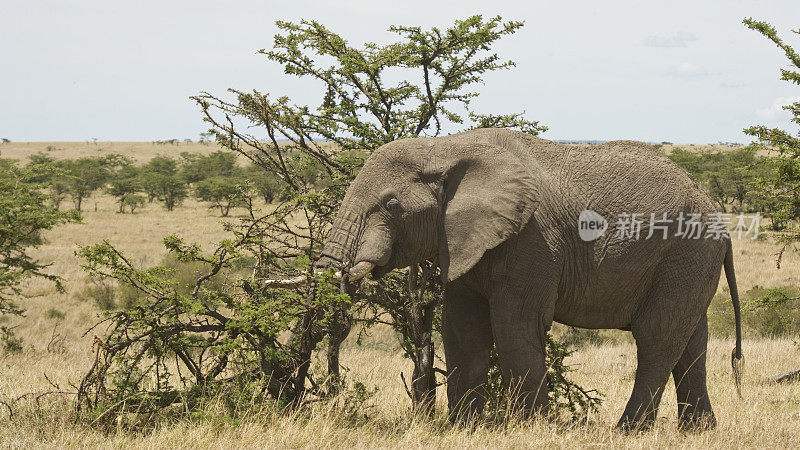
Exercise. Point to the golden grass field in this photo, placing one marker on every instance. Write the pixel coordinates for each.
(768, 416)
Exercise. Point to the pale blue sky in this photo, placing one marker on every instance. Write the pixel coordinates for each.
(683, 70)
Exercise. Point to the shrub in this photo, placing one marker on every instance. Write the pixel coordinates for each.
(9, 342)
(567, 399)
(102, 292)
(775, 312)
(198, 326)
(25, 213)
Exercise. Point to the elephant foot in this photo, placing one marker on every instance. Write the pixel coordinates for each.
(628, 424)
(697, 422)
(466, 418)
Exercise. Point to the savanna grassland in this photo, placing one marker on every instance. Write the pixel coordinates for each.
(56, 353)
(139, 151)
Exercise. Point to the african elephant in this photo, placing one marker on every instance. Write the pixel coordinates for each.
(499, 210)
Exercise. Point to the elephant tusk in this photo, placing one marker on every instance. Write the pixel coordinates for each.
(360, 270)
(296, 281)
(286, 282)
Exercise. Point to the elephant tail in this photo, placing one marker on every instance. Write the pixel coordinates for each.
(737, 360)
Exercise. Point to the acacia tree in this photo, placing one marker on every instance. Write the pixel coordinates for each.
(83, 176)
(223, 192)
(784, 186)
(361, 110)
(161, 180)
(728, 176)
(124, 185)
(196, 167)
(266, 184)
(226, 332)
(25, 212)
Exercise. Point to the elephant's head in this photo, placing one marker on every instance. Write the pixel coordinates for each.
(420, 199)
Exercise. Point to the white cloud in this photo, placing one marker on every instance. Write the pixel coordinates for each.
(776, 110)
(733, 85)
(678, 40)
(687, 70)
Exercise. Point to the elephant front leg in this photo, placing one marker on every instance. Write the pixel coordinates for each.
(519, 328)
(467, 336)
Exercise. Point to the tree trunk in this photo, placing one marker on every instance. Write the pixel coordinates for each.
(340, 324)
(304, 342)
(423, 382)
(304, 339)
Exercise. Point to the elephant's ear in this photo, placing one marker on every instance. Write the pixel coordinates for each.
(488, 196)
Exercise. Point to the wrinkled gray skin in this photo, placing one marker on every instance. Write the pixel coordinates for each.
(499, 211)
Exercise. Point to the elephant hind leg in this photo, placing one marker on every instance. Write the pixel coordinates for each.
(689, 374)
(662, 329)
(652, 373)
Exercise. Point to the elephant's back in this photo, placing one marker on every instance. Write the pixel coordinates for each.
(623, 176)
(614, 176)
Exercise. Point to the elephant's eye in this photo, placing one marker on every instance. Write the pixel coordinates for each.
(393, 206)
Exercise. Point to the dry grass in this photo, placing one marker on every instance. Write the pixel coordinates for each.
(769, 415)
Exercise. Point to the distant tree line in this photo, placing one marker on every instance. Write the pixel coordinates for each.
(734, 178)
(216, 179)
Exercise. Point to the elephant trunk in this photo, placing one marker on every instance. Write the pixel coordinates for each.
(356, 242)
(339, 251)
(340, 247)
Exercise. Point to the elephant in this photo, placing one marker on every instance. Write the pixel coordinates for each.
(503, 213)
